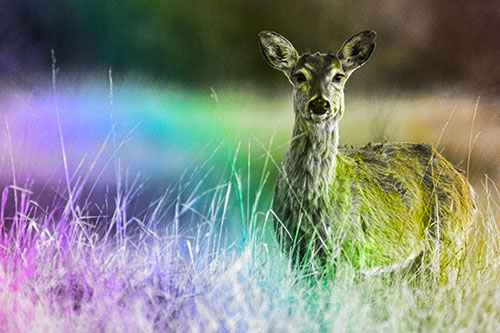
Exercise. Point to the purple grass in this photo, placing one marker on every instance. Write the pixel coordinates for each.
(82, 253)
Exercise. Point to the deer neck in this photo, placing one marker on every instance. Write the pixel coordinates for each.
(311, 160)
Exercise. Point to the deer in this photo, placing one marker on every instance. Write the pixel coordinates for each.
(380, 208)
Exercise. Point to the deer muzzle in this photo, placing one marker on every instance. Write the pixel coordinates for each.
(319, 106)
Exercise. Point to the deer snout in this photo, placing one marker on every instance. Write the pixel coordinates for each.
(319, 106)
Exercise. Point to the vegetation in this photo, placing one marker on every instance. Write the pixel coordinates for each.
(97, 252)
(62, 269)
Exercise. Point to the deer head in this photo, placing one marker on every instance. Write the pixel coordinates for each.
(318, 79)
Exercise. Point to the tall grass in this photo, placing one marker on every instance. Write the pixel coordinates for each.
(203, 257)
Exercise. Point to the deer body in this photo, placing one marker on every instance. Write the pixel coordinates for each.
(373, 206)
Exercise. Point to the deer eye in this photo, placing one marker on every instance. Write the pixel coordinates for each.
(299, 77)
(337, 78)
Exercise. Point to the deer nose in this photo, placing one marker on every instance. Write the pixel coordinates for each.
(319, 106)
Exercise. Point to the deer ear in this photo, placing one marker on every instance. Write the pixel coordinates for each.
(278, 51)
(356, 50)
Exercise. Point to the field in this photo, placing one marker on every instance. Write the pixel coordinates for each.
(137, 207)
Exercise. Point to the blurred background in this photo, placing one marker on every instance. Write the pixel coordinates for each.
(189, 75)
(421, 43)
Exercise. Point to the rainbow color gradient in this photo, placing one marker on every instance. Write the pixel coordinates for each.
(135, 207)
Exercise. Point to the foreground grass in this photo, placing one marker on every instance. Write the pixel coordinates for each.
(204, 258)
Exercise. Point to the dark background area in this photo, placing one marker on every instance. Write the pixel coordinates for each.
(421, 45)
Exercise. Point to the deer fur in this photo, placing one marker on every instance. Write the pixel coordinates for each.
(373, 206)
